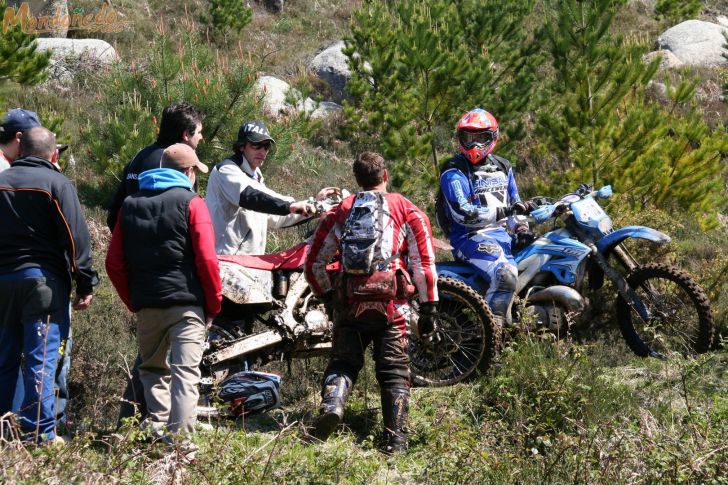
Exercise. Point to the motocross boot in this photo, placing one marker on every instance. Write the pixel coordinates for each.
(335, 391)
(395, 408)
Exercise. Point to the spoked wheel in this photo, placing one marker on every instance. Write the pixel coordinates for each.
(465, 342)
(681, 320)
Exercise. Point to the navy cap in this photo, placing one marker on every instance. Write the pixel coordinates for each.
(18, 119)
(254, 131)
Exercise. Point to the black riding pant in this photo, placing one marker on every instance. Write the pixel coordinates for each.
(390, 349)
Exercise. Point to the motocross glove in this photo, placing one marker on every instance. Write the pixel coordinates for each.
(523, 239)
(524, 208)
(427, 323)
(328, 300)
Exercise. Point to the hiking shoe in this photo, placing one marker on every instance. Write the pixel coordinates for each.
(325, 425)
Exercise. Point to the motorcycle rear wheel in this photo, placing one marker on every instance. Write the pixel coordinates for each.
(681, 320)
(466, 341)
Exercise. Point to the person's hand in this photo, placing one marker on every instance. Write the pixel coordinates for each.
(82, 302)
(328, 300)
(328, 191)
(427, 323)
(302, 207)
(208, 322)
(519, 208)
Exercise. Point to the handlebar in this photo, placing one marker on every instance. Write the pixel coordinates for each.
(329, 202)
(551, 210)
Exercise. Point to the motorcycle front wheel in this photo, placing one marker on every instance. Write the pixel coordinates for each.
(681, 320)
(465, 342)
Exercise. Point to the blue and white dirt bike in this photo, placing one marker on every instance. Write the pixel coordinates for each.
(659, 308)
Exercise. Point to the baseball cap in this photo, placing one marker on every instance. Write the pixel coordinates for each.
(180, 155)
(18, 119)
(254, 131)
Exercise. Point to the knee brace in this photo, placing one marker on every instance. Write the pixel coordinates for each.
(502, 288)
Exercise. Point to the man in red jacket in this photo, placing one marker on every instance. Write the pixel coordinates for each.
(402, 234)
(162, 263)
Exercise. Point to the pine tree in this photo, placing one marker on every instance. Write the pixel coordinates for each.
(675, 11)
(417, 65)
(603, 127)
(19, 60)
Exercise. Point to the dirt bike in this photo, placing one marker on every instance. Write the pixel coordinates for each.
(270, 314)
(659, 308)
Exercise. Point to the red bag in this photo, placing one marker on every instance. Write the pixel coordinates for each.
(379, 286)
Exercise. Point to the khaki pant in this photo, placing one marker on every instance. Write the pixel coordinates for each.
(170, 383)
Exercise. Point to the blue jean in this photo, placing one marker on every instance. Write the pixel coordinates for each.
(34, 320)
(61, 383)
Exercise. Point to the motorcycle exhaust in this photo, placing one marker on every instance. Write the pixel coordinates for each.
(243, 346)
(569, 298)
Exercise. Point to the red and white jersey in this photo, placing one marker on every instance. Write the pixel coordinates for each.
(407, 233)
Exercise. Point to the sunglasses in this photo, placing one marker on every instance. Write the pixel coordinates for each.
(264, 144)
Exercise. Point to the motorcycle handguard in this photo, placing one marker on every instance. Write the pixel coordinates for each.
(543, 213)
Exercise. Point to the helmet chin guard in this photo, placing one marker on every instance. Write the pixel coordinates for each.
(477, 132)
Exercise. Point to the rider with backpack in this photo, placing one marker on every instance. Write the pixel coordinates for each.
(478, 199)
(377, 235)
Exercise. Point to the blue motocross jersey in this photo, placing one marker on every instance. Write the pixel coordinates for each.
(473, 193)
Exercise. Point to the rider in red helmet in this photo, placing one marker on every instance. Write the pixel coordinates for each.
(477, 133)
(478, 201)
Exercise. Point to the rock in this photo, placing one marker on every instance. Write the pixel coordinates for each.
(73, 55)
(326, 109)
(330, 65)
(695, 42)
(669, 60)
(722, 20)
(278, 97)
(46, 8)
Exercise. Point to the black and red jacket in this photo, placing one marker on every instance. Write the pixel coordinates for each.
(407, 236)
(42, 225)
(162, 250)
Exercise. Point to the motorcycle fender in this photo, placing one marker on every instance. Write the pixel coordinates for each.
(605, 244)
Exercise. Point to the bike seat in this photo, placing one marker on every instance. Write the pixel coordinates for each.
(292, 258)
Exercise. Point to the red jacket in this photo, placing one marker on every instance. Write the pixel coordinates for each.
(408, 233)
(166, 286)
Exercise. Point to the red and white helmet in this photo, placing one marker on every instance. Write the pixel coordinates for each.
(477, 133)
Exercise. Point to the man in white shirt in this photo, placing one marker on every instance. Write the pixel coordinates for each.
(241, 206)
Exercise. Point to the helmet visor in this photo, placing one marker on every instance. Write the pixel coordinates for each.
(471, 139)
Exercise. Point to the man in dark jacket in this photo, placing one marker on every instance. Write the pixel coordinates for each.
(162, 263)
(181, 123)
(44, 246)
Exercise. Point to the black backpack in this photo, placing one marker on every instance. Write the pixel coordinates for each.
(442, 214)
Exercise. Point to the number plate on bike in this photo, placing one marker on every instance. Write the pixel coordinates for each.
(587, 210)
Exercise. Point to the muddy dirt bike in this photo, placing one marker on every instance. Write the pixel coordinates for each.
(659, 308)
(270, 314)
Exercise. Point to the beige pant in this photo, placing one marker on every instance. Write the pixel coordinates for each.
(170, 383)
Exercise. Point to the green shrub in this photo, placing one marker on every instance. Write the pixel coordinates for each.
(546, 389)
(675, 11)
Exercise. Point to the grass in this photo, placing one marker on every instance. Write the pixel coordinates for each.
(552, 414)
